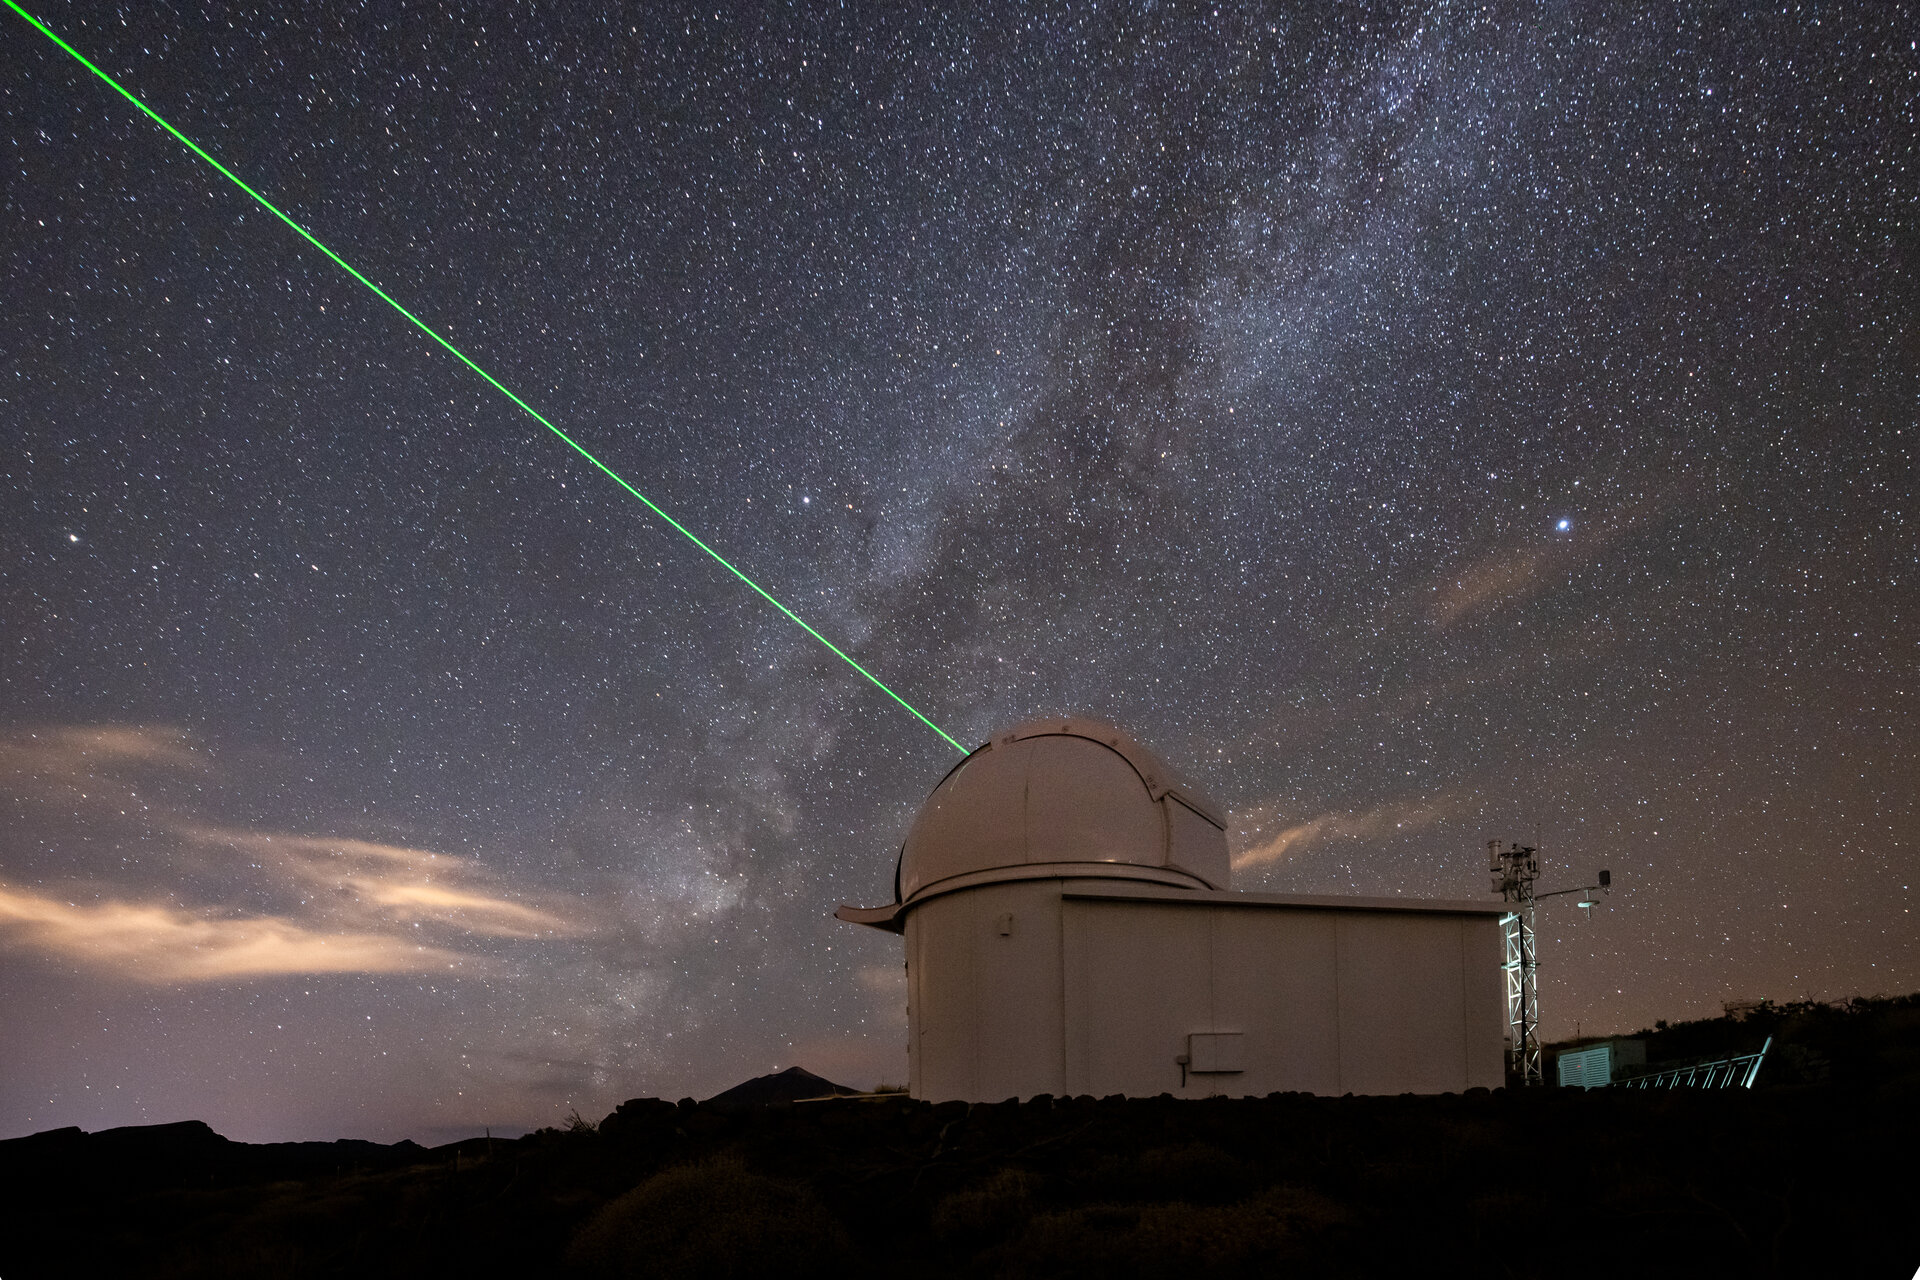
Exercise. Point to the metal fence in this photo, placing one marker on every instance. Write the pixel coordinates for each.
(1727, 1073)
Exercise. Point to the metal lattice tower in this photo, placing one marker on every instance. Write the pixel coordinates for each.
(1514, 869)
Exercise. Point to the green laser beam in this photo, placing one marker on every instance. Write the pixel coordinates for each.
(494, 382)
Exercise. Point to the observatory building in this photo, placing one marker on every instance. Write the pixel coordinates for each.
(1070, 930)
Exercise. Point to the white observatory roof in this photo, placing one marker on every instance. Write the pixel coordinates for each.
(1065, 797)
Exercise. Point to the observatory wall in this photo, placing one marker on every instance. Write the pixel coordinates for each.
(1083, 986)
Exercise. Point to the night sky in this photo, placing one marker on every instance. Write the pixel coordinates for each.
(1420, 425)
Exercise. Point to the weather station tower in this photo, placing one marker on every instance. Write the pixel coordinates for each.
(1514, 869)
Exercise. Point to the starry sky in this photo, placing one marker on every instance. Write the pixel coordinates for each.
(1421, 424)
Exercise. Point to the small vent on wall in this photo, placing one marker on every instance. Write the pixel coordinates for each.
(1216, 1052)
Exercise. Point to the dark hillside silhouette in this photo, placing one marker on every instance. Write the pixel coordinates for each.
(791, 1085)
(1792, 1178)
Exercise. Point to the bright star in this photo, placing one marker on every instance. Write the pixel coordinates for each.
(1564, 525)
(73, 537)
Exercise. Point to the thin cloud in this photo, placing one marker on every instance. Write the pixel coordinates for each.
(79, 750)
(1398, 817)
(1514, 575)
(888, 980)
(158, 943)
(395, 882)
(1505, 577)
(321, 904)
(100, 766)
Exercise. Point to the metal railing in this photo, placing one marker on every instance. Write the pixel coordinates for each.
(1726, 1073)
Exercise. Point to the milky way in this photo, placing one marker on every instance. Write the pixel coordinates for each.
(1421, 425)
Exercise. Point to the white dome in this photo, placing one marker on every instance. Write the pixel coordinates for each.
(1062, 797)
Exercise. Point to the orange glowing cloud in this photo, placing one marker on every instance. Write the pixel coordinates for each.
(323, 904)
(97, 766)
(71, 750)
(157, 942)
(397, 882)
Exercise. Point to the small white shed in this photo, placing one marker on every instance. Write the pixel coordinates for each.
(1070, 930)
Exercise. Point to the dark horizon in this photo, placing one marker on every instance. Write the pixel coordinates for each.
(1701, 1180)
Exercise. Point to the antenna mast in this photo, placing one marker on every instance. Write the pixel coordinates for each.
(1514, 869)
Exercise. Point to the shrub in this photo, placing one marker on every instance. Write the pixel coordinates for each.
(1282, 1227)
(986, 1214)
(713, 1219)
